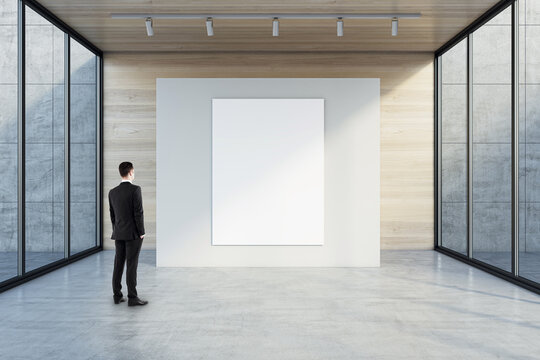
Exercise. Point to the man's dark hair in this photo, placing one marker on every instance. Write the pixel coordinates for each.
(124, 168)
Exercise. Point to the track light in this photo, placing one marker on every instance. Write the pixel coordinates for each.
(394, 26)
(275, 27)
(149, 28)
(209, 26)
(275, 19)
(340, 26)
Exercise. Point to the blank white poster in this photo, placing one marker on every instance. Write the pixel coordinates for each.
(267, 171)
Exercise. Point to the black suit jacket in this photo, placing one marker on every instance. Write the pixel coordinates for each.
(125, 206)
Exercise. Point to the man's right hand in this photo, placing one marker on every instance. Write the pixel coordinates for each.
(142, 236)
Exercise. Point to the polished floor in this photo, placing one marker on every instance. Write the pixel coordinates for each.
(417, 305)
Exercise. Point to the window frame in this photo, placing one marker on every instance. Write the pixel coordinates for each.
(466, 34)
(69, 34)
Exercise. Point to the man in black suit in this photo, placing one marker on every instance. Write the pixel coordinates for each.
(125, 206)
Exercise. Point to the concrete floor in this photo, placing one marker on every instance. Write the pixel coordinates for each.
(419, 304)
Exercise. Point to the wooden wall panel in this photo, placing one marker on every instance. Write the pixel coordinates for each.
(406, 123)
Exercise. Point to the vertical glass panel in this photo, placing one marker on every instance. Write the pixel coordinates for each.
(492, 139)
(83, 135)
(454, 148)
(44, 207)
(8, 139)
(529, 139)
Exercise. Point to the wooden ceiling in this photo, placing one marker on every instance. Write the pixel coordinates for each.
(440, 21)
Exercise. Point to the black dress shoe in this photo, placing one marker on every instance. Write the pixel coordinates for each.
(118, 300)
(136, 302)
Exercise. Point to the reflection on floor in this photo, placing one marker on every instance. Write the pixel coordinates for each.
(9, 260)
(529, 262)
(417, 305)
(8, 265)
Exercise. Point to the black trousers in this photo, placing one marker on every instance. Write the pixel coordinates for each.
(126, 251)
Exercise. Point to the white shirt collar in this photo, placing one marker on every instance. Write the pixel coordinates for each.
(127, 181)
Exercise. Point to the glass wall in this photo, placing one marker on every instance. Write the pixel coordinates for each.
(8, 139)
(83, 132)
(492, 141)
(44, 198)
(488, 106)
(60, 92)
(529, 139)
(454, 152)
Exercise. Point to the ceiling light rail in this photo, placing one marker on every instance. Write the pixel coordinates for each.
(255, 16)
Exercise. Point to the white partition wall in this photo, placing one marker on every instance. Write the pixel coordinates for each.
(348, 206)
